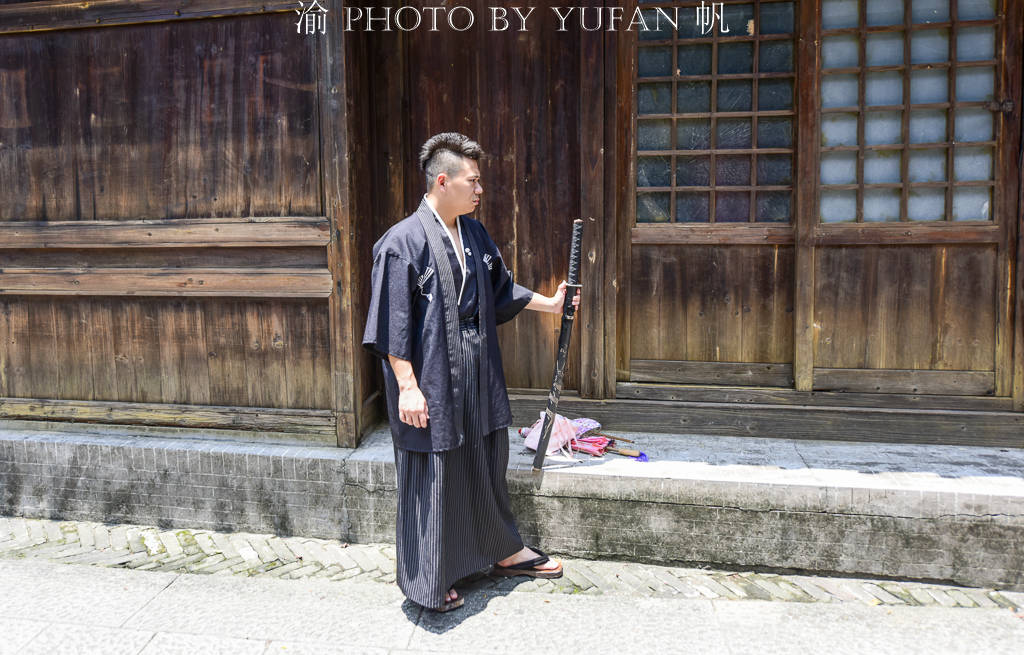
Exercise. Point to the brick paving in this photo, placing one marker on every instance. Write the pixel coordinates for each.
(266, 555)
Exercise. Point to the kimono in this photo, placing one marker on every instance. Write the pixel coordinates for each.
(454, 514)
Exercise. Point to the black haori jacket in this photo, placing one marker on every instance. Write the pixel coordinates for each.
(414, 316)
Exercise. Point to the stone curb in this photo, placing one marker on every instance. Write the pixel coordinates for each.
(266, 555)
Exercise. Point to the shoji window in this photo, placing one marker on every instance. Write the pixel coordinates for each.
(715, 116)
(906, 123)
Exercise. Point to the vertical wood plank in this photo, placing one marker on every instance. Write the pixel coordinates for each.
(612, 208)
(592, 211)
(335, 198)
(806, 214)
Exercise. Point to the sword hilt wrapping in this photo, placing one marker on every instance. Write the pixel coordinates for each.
(575, 251)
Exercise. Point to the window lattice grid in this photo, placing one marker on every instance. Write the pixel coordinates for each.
(907, 131)
(715, 126)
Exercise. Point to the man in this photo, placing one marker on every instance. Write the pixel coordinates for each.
(439, 289)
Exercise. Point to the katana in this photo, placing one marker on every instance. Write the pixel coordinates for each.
(568, 314)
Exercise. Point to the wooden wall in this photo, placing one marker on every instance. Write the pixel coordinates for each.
(174, 218)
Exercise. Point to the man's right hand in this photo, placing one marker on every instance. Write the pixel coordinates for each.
(412, 407)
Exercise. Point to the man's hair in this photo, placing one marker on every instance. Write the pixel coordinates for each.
(443, 153)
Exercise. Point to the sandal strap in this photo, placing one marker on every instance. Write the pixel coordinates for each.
(528, 564)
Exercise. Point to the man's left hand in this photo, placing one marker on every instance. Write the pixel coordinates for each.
(558, 299)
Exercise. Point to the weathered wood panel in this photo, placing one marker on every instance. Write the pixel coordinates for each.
(521, 101)
(212, 118)
(216, 232)
(905, 307)
(231, 352)
(873, 380)
(123, 281)
(746, 394)
(746, 373)
(714, 304)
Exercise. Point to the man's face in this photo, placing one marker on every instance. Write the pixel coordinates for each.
(461, 192)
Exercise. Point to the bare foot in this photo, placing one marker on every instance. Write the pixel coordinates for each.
(526, 554)
(451, 595)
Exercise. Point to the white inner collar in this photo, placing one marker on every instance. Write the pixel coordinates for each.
(451, 240)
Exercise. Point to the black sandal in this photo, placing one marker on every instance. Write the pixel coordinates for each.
(528, 567)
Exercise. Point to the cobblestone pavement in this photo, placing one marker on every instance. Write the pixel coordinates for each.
(265, 555)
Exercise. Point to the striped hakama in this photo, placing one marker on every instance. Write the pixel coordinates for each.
(454, 514)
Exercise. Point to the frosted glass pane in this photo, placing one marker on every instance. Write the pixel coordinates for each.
(775, 57)
(738, 19)
(975, 9)
(973, 124)
(652, 207)
(732, 207)
(885, 49)
(840, 51)
(883, 89)
(659, 28)
(838, 168)
(929, 46)
(927, 165)
(881, 205)
(926, 204)
(693, 170)
(735, 95)
(972, 204)
(735, 57)
(774, 169)
(693, 96)
(774, 132)
(653, 171)
(929, 11)
(883, 127)
(654, 98)
(776, 17)
(881, 166)
(654, 61)
(653, 135)
(927, 126)
(733, 133)
(929, 86)
(973, 163)
(976, 43)
(732, 170)
(974, 83)
(839, 91)
(693, 59)
(773, 205)
(692, 207)
(775, 94)
(839, 129)
(836, 14)
(693, 134)
(885, 12)
(837, 206)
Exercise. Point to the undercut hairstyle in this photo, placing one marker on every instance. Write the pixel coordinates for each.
(443, 153)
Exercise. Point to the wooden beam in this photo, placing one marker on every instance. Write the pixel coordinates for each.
(952, 383)
(806, 210)
(177, 233)
(884, 234)
(780, 396)
(64, 14)
(697, 372)
(613, 120)
(966, 428)
(235, 282)
(724, 234)
(344, 331)
(317, 423)
(592, 211)
(1018, 294)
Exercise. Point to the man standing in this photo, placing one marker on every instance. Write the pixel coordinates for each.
(439, 289)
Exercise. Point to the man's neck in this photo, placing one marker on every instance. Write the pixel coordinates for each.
(448, 218)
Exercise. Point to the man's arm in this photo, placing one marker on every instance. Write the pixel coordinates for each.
(412, 405)
(552, 304)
